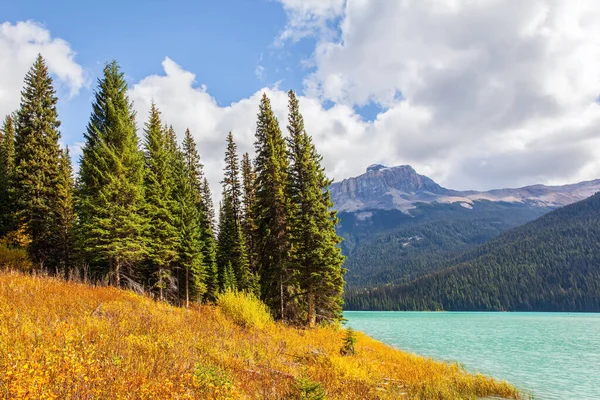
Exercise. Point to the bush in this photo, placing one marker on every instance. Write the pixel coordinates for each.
(245, 309)
(14, 258)
(308, 390)
(214, 382)
(348, 344)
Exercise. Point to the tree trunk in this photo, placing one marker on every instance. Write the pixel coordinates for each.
(187, 288)
(118, 274)
(281, 295)
(312, 317)
(160, 284)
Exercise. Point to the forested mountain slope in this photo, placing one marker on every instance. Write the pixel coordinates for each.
(391, 246)
(550, 264)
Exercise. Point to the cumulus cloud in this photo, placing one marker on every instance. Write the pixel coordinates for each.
(478, 94)
(309, 18)
(20, 44)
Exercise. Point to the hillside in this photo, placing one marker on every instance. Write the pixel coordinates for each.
(395, 247)
(398, 225)
(66, 340)
(550, 264)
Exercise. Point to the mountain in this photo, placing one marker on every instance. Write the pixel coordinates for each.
(401, 188)
(550, 264)
(398, 225)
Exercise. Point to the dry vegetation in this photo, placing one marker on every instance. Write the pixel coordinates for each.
(61, 340)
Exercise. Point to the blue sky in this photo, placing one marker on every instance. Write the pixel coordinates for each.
(476, 95)
(222, 42)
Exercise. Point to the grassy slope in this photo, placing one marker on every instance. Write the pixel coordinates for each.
(66, 340)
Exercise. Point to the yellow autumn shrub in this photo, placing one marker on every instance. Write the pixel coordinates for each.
(245, 309)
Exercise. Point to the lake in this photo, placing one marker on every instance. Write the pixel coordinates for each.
(552, 355)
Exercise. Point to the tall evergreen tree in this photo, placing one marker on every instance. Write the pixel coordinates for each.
(248, 200)
(231, 180)
(188, 224)
(36, 171)
(204, 205)
(65, 214)
(231, 247)
(315, 254)
(7, 156)
(270, 211)
(159, 205)
(110, 194)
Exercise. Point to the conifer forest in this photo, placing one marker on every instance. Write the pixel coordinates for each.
(139, 214)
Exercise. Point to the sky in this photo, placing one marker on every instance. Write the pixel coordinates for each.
(476, 94)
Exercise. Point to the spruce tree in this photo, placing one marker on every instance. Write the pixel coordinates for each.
(7, 156)
(36, 161)
(231, 180)
(204, 206)
(159, 204)
(248, 200)
(315, 254)
(188, 224)
(65, 215)
(110, 193)
(231, 246)
(270, 212)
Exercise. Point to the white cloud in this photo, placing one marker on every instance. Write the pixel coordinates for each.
(20, 44)
(259, 71)
(309, 18)
(493, 92)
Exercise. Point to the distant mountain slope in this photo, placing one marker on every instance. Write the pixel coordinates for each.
(393, 247)
(398, 225)
(550, 264)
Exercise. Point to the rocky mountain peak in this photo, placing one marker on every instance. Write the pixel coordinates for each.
(382, 187)
(401, 187)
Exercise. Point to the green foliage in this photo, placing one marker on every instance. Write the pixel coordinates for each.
(315, 255)
(348, 343)
(36, 161)
(248, 200)
(231, 245)
(270, 213)
(188, 224)
(306, 389)
(65, 214)
(210, 376)
(231, 250)
(14, 259)
(7, 156)
(205, 214)
(159, 185)
(110, 194)
(550, 264)
(245, 309)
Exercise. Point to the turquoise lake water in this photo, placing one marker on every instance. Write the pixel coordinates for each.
(552, 355)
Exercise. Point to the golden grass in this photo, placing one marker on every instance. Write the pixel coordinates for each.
(61, 340)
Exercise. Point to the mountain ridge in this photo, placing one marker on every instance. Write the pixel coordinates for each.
(401, 188)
